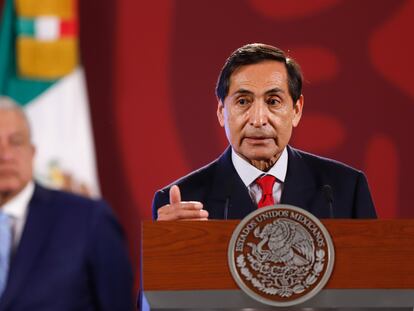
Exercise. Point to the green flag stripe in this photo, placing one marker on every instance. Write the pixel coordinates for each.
(6, 45)
(25, 27)
(23, 91)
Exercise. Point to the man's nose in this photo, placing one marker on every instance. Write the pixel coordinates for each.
(258, 115)
(5, 151)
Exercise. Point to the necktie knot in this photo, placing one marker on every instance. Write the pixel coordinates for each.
(266, 183)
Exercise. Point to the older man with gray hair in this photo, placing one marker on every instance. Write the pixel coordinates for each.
(58, 251)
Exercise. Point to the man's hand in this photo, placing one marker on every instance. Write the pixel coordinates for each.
(178, 210)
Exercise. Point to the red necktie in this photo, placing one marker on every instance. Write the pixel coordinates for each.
(266, 184)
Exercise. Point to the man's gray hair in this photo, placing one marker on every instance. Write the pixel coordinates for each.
(6, 103)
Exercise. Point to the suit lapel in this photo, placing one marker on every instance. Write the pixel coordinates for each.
(39, 222)
(299, 187)
(228, 185)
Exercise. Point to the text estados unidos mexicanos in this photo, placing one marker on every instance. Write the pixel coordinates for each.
(279, 213)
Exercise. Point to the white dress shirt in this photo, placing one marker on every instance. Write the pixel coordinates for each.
(17, 209)
(248, 174)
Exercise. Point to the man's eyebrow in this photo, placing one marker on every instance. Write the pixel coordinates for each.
(243, 92)
(247, 92)
(274, 90)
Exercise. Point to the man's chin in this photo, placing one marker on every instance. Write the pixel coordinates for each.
(259, 154)
(9, 187)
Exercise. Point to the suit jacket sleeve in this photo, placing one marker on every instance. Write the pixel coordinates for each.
(161, 198)
(109, 266)
(363, 204)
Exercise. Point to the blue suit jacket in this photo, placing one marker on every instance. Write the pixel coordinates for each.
(306, 177)
(71, 257)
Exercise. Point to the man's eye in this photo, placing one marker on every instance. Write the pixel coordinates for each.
(242, 101)
(16, 141)
(273, 101)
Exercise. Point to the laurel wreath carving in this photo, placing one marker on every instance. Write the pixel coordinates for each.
(272, 279)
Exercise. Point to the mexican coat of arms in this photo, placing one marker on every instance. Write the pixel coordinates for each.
(281, 255)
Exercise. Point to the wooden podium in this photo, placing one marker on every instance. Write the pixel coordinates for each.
(184, 267)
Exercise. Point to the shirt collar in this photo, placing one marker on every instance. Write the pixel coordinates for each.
(17, 206)
(248, 173)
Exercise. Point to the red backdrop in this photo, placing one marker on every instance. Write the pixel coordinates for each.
(151, 70)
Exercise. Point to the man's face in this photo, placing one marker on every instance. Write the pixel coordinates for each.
(16, 153)
(258, 113)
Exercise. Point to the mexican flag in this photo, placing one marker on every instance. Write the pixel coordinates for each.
(40, 70)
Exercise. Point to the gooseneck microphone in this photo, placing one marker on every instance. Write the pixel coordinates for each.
(229, 188)
(226, 207)
(328, 194)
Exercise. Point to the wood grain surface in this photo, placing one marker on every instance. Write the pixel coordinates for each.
(371, 254)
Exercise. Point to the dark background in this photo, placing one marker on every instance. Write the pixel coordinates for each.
(151, 69)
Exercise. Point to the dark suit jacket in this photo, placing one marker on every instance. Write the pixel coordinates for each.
(71, 256)
(307, 175)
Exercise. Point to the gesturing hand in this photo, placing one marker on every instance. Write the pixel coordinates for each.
(181, 210)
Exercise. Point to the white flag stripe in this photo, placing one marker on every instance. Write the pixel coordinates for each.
(47, 28)
(62, 132)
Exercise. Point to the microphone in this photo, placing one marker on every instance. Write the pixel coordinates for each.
(226, 207)
(229, 188)
(328, 194)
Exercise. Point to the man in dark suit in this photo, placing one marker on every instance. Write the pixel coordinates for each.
(260, 101)
(66, 252)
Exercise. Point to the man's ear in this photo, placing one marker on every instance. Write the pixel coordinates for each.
(297, 110)
(220, 113)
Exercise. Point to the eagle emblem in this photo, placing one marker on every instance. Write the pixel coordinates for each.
(284, 242)
(282, 254)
